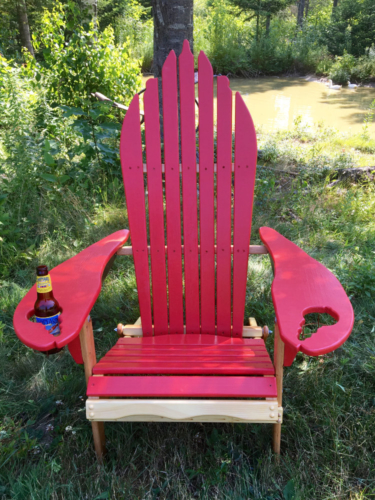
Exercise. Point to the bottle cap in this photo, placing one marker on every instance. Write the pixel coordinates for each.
(41, 270)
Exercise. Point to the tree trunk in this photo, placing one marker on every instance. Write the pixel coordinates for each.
(92, 11)
(268, 23)
(301, 8)
(173, 23)
(23, 23)
(307, 8)
(335, 3)
(257, 32)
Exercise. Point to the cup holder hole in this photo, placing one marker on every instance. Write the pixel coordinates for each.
(313, 321)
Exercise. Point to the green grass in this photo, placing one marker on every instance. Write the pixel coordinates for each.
(328, 435)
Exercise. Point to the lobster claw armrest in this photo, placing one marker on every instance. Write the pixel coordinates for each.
(76, 285)
(302, 286)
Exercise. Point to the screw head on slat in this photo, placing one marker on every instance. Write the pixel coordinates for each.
(91, 407)
(92, 413)
(272, 415)
(272, 408)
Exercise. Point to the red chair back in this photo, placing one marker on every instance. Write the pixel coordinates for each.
(198, 232)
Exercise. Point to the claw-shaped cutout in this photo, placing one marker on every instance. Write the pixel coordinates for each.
(313, 321)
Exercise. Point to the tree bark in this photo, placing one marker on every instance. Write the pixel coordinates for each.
(268, 23)
(301, 8)
(335, 3)
(23, 23)
(307, 8)
(92, 10)
(257, 30)
(173, 23)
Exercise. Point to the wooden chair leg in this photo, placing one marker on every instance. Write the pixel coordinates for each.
(278, 361)
(86, 337)
(99, 439)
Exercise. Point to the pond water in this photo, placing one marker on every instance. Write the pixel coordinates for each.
(275, 103)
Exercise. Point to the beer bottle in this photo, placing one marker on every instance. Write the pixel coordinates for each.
(46, 308)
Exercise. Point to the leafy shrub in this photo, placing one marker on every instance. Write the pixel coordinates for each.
(227, 37)
(137, 32)
(341, 69)
(364, 69)
(86, 61)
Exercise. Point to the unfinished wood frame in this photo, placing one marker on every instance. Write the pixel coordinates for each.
(183, 410)
(253, 249)
(86, 337)
(180, 167)
(136, 331)
(253, 331)
(279, 371)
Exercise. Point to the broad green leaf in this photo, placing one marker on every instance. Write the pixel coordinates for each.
(64, 178)
(48, 158)
(106, 149)
(70, 110)
(289, 491)
(49, 177)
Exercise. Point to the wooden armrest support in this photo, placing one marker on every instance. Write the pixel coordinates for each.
(302, 286)
(76, 285)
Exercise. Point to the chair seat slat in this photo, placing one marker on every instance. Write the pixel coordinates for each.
(180, 386)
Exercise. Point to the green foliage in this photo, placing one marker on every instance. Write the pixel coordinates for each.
(135, 29)
(347, 67)
(342, 68)
(225, 32)
(50, 154)
(78, 60)
(351, 28)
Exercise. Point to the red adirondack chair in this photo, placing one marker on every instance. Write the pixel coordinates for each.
(191, 358)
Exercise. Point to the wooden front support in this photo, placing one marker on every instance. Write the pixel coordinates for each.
(183, 410)
(86, 337)
(279, 370)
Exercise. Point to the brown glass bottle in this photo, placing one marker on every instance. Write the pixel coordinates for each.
(46, 308)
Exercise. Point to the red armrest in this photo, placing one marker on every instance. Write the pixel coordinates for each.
(302, 286)
(76, 285)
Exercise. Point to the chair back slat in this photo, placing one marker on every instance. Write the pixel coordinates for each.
(156, 208)
(172, 194)
(224, 210)
(199, 212)
(245, 158)
(189, 188)
(206, 194)
(132, 171)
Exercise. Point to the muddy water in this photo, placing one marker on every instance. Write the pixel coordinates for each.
(275, 103)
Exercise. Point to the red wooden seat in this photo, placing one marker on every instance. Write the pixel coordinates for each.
(187, 354)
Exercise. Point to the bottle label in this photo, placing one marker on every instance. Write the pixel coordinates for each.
(43, 284)
(51, 324)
